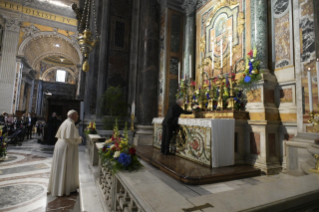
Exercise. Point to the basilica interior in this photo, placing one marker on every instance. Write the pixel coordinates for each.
(246, 70)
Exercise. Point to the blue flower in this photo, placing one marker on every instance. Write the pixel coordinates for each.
(194, 97)
(125, 159)
(247, 79)
(237, 100)
(207, 95)
(217, 92)
(239, 94)
(250, 67)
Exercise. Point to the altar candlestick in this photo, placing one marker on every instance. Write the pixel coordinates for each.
(317, 64)
(255, 23)
(221, 53)
(190, 66)
(310, 90)
(133, 108)
(179, 72)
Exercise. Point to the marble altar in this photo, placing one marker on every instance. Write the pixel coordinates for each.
(208, 141)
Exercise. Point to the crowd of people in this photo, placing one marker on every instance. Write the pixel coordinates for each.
(27, 124)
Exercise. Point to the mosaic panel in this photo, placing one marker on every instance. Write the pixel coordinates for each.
(197, 145)
(286, 95)
(255, 143)
(162, 66)
(173, 69)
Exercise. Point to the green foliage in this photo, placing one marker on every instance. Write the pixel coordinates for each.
(114, 106)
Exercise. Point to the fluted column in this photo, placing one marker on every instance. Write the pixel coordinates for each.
(17, 85)
(8, 62)
(259, 30)
(21, 95)
(148, 61)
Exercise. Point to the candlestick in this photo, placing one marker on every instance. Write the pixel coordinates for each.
(190, 66)
(133, 108)
(179, 72)
(317, 65)
(255, 22)
(310, 90)
(221, 52)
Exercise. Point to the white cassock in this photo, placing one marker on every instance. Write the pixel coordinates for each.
(64, 177)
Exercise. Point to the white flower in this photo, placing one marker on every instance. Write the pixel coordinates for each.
(113, 145)
(247, 67)
(116, 154)
(252, 60)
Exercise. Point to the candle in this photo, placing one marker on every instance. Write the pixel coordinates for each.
(231, 49)
(190, 66)
(310, 90)
(255, 22)
(179, 72)
(213, 64)
(317, 64)
(133, 108)
(221, 52)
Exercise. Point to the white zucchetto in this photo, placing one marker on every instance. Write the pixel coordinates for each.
(71, 112)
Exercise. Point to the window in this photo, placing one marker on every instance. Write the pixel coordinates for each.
(60, 76)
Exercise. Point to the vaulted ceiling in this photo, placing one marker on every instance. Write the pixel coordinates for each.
(52, 48)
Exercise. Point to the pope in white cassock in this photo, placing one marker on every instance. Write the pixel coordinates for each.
(64, 177)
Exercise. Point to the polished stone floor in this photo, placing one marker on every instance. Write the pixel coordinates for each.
(24, 176)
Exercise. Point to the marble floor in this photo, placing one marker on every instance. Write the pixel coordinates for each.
(24, 176)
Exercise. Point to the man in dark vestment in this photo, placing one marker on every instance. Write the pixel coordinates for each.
(170, 124)
(52, 128)
(29, 126)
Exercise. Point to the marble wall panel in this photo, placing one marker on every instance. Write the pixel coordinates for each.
(174, 66)
(175, 32)
(286, 95)
(254, 96)
(255, 143)
(282, 34)
(173, 86)
(269, 96)
(272, 144)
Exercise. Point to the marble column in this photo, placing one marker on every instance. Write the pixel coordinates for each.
(39, 98)
(31, 97)
(148, 61)
(189, 35)
(103, 54)
(17, 86)
(8, 62)
(21, 95)
(259, 31)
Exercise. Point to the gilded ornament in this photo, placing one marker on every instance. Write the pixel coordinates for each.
(241, 23)
(202, 45)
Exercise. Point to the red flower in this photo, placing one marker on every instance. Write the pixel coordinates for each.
(250, 54)
(193, 83)
(132, 151)
(104, 148)
(113, 149)
(244, 75)
(116, 144)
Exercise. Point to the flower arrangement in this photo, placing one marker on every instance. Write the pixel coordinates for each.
(252, 73)
(91, 128)
(3, 145)
(117, 154)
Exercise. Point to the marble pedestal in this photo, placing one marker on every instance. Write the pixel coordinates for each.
(91, 148)
(143, 135)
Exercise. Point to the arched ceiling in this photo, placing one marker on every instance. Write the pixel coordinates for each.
(52, 47)
(58, 60)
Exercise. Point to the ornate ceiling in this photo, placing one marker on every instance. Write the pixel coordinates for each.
(61, 2)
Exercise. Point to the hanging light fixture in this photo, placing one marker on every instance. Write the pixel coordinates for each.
(85, 38)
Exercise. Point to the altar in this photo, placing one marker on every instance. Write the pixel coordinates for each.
(210, 142)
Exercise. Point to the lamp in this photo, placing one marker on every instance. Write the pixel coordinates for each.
(85, 38)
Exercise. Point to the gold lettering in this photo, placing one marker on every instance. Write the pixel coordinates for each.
(46, 15)
(11, 6)
(18, 7)
(68, 20)
(28, 11)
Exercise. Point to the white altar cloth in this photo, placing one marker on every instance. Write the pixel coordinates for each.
(222, 139)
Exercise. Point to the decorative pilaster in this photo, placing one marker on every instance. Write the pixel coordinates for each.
(189, 35)
(21, 95)
(8, 62)
(17, 86)
(31, 97)
(148, 62)
(259, 31)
